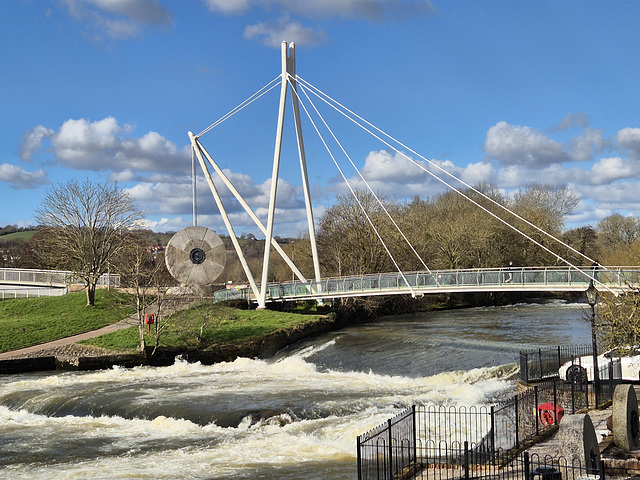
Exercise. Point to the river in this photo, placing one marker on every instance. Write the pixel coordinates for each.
(294, 416)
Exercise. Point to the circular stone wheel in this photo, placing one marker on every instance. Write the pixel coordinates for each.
(195, 256)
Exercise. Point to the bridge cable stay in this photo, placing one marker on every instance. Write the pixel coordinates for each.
(263, 91)
(591, 277)
(328, 99)
(346, 154)
(364, 211)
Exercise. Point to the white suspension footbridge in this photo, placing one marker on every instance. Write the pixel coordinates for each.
(568, 277)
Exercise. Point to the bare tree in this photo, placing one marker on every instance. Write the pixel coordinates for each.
(87, 226)
(147, 279)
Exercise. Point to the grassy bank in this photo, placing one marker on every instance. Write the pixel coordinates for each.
(31, 321)
(223, 326)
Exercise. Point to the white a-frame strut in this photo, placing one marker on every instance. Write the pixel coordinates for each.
(260, 292)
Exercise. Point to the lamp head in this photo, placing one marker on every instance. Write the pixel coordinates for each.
(592, 294)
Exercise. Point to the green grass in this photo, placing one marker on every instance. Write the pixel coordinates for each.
(30, 321)
(225, 325)
(21, 237)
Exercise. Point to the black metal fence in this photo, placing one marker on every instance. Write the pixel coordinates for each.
(431, 441)
(544, 363)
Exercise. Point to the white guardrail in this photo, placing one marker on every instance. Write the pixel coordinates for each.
(25, 282)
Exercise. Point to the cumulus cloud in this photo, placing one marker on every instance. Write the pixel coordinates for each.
(517, 145)
(106, 145)
(572, 120)
(590, 142)
(375, 10)
(629, 139)
(118, 19)
(175, 196)
(608, 170)
(271, 34)
(19, 178)
(32, 142)
(395, 175)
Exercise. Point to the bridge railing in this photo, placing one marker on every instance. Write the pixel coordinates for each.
(51, 278)
(477, 279)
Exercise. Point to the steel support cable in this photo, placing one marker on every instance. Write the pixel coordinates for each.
(395, 224)
(320, 95)
(263, 91)
(406, 281)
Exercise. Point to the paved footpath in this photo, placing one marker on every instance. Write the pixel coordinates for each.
(126, 323)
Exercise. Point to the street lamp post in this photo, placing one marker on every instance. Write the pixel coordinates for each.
(592, 297)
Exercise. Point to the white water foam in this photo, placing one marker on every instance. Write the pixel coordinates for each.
(333, 408)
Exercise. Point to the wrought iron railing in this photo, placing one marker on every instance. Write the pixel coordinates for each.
(543, 363)
(448, 440)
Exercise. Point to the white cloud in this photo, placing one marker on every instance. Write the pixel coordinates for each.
(629, 140)
(271, 34)
(33, 142)
(118, 19)
(108, 146)
(572, 120)
(517, 145)
(374, 10)
(608, 170)
(590, 142)
(228, 6)
(19, 178)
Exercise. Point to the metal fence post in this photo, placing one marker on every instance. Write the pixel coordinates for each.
(359, 455)
(517, 417)
(493, 430)
(390, 449)
(527, 467)
(466, 460)
(524, 367)
(535, 402)
(539, 363)
(415, 434)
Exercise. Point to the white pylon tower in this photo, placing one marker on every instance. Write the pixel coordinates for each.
(288, 79)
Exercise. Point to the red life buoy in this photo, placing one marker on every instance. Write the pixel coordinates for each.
(548, 414)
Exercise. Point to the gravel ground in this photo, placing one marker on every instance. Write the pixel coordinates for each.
(70, 350)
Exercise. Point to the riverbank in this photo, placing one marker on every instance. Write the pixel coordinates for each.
(69, 355)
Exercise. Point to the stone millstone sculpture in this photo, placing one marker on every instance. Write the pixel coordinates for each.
(577, 440)
(625, 417)
(195, 256)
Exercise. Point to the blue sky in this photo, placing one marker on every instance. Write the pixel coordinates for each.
(501, 92)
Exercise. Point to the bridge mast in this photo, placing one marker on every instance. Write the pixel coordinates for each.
(288, 74)
(291, 66)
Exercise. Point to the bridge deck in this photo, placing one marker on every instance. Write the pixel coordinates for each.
(533, 279)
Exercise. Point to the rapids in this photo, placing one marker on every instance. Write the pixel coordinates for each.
(294, 416)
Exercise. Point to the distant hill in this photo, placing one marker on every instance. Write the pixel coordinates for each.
(20, 237)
